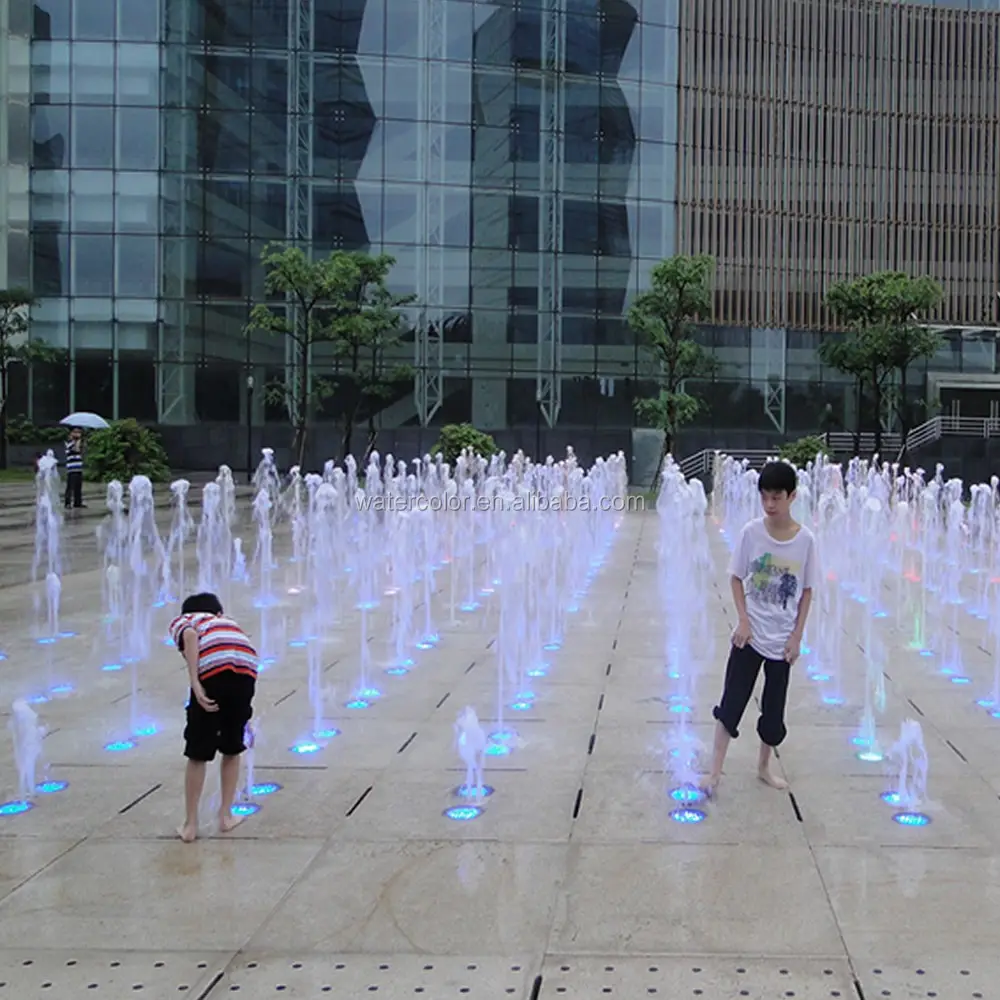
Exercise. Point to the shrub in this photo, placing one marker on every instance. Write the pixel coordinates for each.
(803, 451)
(124, 450)
(455, 437)
(20, 430)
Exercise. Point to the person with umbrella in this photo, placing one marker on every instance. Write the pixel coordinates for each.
(74, 469)
(74, 453)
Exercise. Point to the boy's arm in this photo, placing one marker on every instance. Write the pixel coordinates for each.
(189, 640)
(739, 598)
(803, 613)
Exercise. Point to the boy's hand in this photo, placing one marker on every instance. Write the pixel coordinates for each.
(203, 699)
(741, 634)
(793, 648)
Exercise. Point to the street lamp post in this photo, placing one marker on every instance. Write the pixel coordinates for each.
(249, 428)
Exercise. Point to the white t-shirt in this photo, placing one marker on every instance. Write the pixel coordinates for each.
(774, 575)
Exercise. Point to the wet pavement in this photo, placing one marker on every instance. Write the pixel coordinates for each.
(574, 881)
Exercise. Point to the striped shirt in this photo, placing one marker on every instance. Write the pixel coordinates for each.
(222, 644)
(74, 456)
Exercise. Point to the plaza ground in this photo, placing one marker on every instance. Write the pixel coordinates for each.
(574, 882)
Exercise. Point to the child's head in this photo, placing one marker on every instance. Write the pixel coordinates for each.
(207, 604)
(777, 485)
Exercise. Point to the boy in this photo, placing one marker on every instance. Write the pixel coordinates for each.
(222, 669)
(74, 469)
(773, 571)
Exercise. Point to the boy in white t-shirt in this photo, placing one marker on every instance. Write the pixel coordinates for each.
(773, 572)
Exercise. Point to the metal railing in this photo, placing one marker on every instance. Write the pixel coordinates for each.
(702, 463)
(843, 441)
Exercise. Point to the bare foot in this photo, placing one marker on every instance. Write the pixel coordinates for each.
(769, 779)
(709, 784)
(229, 822)
(188, 832)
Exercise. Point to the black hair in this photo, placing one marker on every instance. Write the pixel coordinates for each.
(778, 477)
(205, 603)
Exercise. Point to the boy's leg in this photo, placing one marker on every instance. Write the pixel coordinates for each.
(68, 497)
(194, 784)
(77, 478)
(741, 675)
(199, 748)
(771, 724)
(235, 698)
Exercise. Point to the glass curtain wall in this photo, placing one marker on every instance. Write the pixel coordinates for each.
(95, 79)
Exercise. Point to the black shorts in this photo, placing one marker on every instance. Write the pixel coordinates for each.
(209, 732)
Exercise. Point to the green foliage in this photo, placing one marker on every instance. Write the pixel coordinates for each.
(456, 437)
(124, 450)
(663, 320)
(343, 301)
(15, 305)
(20, 430)
(882, 314)
(800, 453)
(667, 411)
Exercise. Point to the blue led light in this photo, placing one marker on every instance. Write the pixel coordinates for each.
(552, 646)
(881, 614)
(298, 644)
(687, 816)
(960, 680)
(521, 706)
(326, 734)
(996, 715)
(680, 709)
(167, 641)
(890, 798)
(674, 675)
(573, 609)
(305, 747)
(111, 666)
(471, 792)
(119, 746)
(3, 656)
(819, 677)
(147, 729)
(51, 787)
(870, 756)
(911, 819)
(463, 813)
(469, 606)
(266, 788)
(245, 809)
(985, 702)
(687, 793)
(397, 671)
(861, 741)
(15, 808)
(538, 672)
(832, 699)
(46, 641)
(927, 652)
(497, 750)
(38, 699)
(357, 703)
(525, 695)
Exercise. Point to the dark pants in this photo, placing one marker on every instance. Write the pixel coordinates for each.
(222, 731)
(74, 489)
(741, 675)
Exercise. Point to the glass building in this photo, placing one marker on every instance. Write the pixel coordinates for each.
(527, 162)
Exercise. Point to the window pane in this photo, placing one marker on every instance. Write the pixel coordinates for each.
(139, 22)
(137, 266)
(50, 72)
(92, 203)
(93, 266)
(52, 19)
(94, 19)
(50, 136)
(93, 73)
(94, 137)
(137, 202)
(138, 74)
(138, 138)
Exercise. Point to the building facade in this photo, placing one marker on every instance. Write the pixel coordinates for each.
(527, 163)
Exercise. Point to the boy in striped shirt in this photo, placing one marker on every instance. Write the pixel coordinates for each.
(222, 668)
(74, 469)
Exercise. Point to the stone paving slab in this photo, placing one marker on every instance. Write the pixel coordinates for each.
(573, 882)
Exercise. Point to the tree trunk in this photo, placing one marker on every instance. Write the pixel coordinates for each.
(877, 402)
(3, 417)
(345, 446)
(664, 451)
(903, 412)
(859, 392)
(302, 405)
(372, 436)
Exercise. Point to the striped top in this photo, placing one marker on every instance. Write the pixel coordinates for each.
(222, 644)
(74, 456)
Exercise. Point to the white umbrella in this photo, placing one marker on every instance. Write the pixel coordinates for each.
(89, 420)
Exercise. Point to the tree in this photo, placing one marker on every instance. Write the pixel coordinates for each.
(15, 347)
(340, 300)
(881, 312)
(663, 321)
